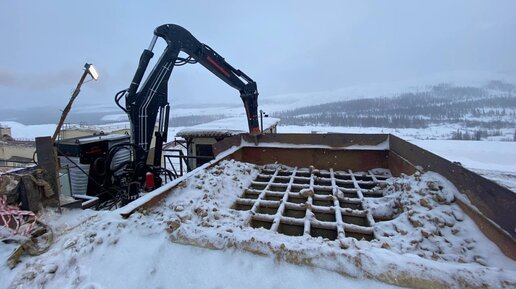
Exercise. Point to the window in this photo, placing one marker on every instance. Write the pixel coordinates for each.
(204, 150)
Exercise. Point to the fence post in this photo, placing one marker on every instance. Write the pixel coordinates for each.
(47, 159)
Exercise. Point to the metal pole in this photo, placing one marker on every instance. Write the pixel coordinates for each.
(153, 42)
(261, 119)
(69, 106)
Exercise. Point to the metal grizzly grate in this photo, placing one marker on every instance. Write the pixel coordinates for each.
(309, 201)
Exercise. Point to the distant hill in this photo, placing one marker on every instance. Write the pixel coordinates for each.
(490, 107)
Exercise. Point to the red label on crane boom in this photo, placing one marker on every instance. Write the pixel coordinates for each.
(218, 66)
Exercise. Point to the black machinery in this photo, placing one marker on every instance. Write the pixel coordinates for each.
(87, 158)
(148, 103)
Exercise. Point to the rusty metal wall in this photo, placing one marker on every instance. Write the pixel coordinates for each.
(356, 160)
(329, 139)
(320, 156)
(336, 140)
(399, 165)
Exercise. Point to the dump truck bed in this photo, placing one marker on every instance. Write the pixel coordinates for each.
(357, 196)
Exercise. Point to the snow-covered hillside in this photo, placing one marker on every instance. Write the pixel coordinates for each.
(182, 107)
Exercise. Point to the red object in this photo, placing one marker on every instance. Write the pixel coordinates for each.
(12, 217)
(218, 66)
(149, 181)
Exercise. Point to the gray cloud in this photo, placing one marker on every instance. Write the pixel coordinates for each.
(286, 46)
(7, 78)
(38, 81)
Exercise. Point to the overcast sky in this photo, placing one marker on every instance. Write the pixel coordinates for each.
(285, 46)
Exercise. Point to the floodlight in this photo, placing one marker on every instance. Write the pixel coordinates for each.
(92, 71)
(88, 69)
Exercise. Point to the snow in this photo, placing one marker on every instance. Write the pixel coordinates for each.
(428, 238)
(487, 155)
(454, 248)
(491, 159)
(129, 208)
(102, 250)
(435, 132)
(103, 137)
(21, 131)
(381, 146)
(114, 117)
(227, 126)
(30, 132)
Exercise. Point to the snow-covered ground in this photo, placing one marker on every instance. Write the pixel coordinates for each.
(491, 159)
(226, 126)
(165, 246)
(94, 250)
(101, 250)
(487, 155)
(29, 132)
(437, 132)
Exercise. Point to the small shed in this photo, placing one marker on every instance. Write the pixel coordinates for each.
(5, 131)
(201, 137)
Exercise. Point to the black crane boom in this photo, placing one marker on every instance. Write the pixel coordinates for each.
(144, 103)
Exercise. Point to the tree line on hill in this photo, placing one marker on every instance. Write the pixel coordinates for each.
(491, 107)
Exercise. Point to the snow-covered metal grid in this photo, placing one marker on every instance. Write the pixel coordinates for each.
(309, 201)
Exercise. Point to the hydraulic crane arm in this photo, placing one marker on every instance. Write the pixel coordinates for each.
(143, 105)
